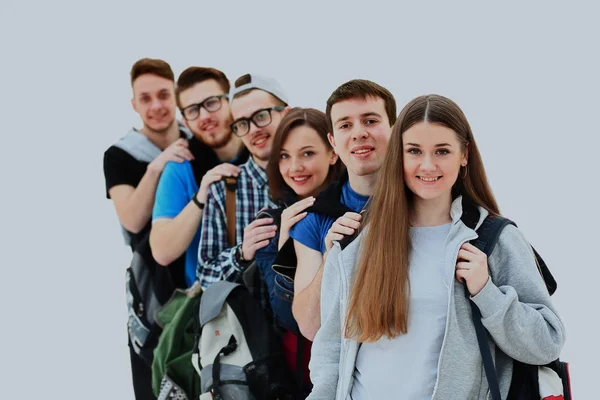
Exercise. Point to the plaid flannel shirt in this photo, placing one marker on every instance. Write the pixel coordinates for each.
(216, 257)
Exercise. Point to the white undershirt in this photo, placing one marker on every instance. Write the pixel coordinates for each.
(406, 367)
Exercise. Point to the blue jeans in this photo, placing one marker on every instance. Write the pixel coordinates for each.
(281, 288)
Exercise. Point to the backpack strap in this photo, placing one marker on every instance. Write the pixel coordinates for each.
(488, 236)
(484, 349)
(230, 197)
(346, 240)
(488, 232)
(197, 333)
(137, 145)
(551, 284)
(216, 369)
(328, 201)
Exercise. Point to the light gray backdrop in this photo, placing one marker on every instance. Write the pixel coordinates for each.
(525, 73)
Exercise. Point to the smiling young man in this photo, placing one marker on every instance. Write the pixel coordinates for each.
(360, 114)
(131, 175)
(257, 105)
(202, 97)
(133, 166)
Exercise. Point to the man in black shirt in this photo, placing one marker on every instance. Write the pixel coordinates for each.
(131, 180)
(133, 166)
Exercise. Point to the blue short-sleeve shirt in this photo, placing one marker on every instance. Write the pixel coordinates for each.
(176, 187)
(312, 229)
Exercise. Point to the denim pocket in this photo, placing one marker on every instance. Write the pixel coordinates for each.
(284, 288)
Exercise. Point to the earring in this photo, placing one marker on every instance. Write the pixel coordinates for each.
(466, 171)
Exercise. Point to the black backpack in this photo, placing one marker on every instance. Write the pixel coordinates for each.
(525, 377)
(148, 287)
(236, 351)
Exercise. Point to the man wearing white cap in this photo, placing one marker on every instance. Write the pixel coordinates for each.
(257, 106)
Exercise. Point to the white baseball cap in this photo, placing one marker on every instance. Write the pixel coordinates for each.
(269, 85)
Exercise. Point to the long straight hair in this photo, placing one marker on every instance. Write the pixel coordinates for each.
(380, 293)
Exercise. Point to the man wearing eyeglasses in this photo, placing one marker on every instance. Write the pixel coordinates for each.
(257, 104)
(202, 97)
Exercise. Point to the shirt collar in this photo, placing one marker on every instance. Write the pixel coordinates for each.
(256, 173)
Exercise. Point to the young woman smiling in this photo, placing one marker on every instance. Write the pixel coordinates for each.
(302, 163)
(394, 315)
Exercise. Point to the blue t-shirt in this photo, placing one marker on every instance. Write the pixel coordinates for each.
(177, 186)
(311, 230)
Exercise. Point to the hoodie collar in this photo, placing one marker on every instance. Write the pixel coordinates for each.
(456, 212)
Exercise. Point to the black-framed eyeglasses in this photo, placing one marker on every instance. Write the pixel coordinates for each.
(210, 104)
(260, 119)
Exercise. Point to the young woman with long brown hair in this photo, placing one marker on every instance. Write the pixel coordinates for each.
(395, 321)
(301, 165)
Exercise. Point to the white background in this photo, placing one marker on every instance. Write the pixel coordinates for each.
(525, 73)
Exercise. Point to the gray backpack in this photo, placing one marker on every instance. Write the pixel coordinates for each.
(236, 352)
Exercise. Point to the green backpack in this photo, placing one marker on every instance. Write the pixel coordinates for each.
(173, 375)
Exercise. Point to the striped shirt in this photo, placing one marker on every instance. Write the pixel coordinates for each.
(216, 257)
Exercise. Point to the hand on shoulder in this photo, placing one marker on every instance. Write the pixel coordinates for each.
(214, 175)
(345, 225)
(178, 151)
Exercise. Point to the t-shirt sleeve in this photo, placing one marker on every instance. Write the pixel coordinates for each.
(171, 194)
(307, 232)
(120, 169)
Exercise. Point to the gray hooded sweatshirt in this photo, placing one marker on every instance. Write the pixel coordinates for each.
(516, 311)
